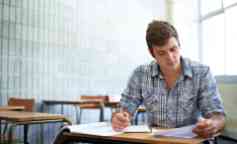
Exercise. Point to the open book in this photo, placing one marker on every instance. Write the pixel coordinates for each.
(103, 129)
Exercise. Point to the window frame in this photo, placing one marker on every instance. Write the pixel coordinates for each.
(206, 17)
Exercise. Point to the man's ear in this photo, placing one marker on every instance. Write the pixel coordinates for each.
(151, 50)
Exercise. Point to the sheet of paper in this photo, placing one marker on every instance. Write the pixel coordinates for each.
(137, 128)
(99, 128)
(182, 132)
(104, 129)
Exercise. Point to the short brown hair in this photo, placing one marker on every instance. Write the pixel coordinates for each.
(158, 33)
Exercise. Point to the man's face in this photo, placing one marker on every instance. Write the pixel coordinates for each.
(168, 56)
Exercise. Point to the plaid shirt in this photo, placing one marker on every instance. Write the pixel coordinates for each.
(194, 94)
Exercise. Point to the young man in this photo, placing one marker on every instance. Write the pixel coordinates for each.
(174, 90)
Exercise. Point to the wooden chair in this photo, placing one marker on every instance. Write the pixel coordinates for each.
(28, 105)
(95, 102)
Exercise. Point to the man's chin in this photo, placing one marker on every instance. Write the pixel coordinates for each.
(172, 67)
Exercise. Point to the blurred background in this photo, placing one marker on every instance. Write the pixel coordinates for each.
(61, 49)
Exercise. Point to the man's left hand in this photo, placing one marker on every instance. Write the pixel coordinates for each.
(206, 128)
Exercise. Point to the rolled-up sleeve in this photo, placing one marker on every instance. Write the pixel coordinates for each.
(209, 97)
(131, 96)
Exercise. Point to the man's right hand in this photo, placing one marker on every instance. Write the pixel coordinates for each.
(120, 120)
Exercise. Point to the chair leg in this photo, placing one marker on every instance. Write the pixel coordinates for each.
(26, 128)
(5, 129)
(80, 116)
(143, 117)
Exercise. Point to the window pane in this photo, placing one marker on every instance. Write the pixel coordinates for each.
(213, 44)
(229, 2)
(209, 6)
(231, 33)
(186, 25)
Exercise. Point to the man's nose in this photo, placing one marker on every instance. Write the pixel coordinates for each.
(169, 55)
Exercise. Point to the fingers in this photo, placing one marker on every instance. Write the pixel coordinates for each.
(202, 124)
(205, 128)
(120, 121)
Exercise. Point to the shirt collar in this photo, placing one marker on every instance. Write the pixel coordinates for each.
(155, 69)
(186, 68)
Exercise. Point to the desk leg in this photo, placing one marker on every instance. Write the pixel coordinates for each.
(102, 114)
(11, 130)
(26, 128)
(45, 108)
(10, 134)
(41, 134)
(77, 114)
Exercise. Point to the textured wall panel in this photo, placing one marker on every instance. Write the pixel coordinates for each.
(61, 49)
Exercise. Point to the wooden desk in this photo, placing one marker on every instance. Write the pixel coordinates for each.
(47, 103)
(131, 138)
(112, 104)
(12, 108)
(9, 108)
(15, 118)
(78, 102)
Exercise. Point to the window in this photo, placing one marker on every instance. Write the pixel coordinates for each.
(229, 2)
(208, 6)
(218, 32)
(213, 43)
(231, 32)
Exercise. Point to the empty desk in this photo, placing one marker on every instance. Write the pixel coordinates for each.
(15, 118)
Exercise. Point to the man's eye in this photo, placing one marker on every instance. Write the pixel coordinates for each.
(172, 50)
(161, 53)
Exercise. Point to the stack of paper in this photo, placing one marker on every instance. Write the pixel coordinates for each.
(182, 132)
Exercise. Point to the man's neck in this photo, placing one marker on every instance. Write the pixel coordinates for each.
(172, 72)
(171, 75)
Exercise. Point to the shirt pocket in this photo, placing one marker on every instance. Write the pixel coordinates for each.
(188, 100)
(151, 100)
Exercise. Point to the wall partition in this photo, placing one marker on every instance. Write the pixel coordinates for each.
(61, 49)
(38, 47)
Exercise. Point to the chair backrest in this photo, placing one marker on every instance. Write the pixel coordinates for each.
(97, 98)
(27, 103)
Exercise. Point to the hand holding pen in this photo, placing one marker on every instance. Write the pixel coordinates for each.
(120, 120)
(205, 128)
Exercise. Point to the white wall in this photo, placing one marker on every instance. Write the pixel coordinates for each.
(65, 48)
(112, 40)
